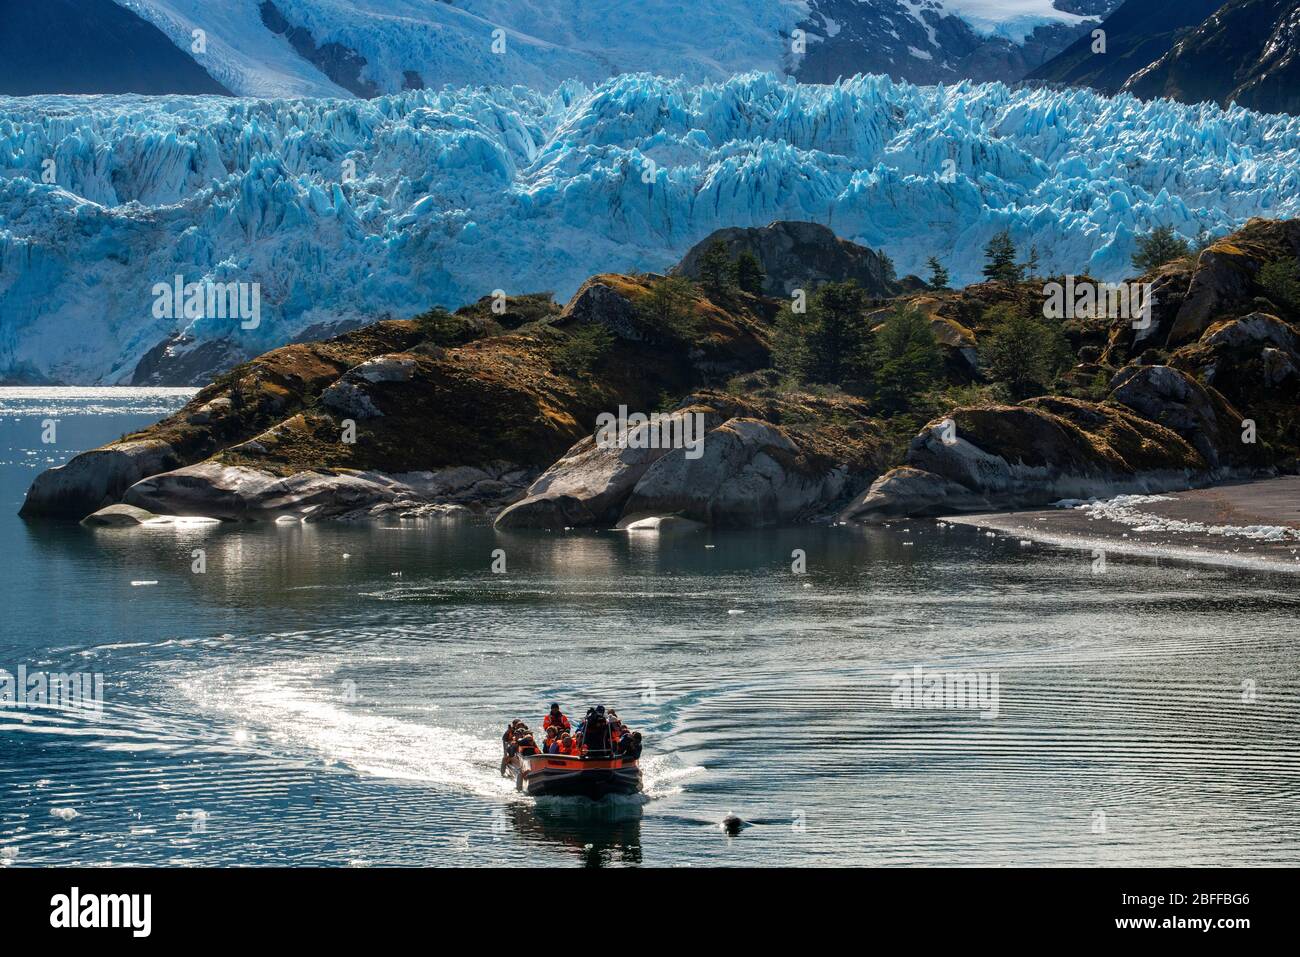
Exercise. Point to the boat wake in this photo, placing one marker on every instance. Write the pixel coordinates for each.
(301, 712)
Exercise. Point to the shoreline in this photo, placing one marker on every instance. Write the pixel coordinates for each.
(1252, 525)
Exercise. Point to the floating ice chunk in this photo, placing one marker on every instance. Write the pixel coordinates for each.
(1124, 510)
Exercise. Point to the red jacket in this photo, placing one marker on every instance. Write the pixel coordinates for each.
(561, 722)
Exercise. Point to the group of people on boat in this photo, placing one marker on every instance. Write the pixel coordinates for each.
(600, 734)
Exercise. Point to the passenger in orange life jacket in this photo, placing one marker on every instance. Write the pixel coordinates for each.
(555, 719)
(568, 745)
(526, 744)
(508, 741)
(552, 744)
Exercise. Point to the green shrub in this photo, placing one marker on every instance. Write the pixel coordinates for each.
(1022, 353)
(669, 307)
(581, 349)
(444, 329)
(1281, 280)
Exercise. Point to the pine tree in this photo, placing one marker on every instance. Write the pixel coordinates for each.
(749, 273)
(1158, 247)
(715, 269)
(938, 275)
(828, 343)
(906, 360)
(1021, 352)
(1030, 267)
(887, 266)
(669, 308)
(838, 345)
(1000, 259)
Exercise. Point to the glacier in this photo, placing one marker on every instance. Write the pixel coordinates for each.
(354, 210)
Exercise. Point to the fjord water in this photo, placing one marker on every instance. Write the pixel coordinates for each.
(334, 694)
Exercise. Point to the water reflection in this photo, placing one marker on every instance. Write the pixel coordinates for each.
(600, 833)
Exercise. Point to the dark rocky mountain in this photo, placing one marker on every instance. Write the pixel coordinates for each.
(1138, 33)
(797, 255)
(90, 46)
(1241, 51)
(926, 43)
(1247, 52)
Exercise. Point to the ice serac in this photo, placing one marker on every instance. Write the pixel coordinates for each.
(344, 211)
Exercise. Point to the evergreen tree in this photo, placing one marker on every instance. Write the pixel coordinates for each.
(749, 273)
(938, 275)
(1158, 247)
(1281, 280)
(829, 342)
(715, 269)
(1000, 259)
(1022, 353)
(1030, 267)
(887, 266)
(838, 344)
(906, 360)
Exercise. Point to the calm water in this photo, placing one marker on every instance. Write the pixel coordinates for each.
(334, 694)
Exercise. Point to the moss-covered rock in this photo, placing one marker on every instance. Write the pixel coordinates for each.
(1003, 457)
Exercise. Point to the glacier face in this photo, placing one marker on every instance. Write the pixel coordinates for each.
(348, 210)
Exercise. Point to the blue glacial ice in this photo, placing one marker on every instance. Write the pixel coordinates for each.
(347, 210)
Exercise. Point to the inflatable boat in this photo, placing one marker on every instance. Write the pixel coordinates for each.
(571, 776)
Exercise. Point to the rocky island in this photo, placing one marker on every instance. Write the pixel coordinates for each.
(826, 389)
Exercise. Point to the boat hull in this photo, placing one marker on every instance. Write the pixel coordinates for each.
(559, 775)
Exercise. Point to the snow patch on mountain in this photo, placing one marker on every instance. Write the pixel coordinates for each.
(349, 210)
(1013, 19)
(542, 43)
